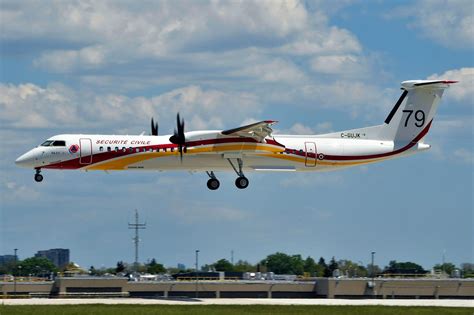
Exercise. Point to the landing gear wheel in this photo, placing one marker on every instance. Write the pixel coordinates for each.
(241, 182)
(38, 178)
(213, 184)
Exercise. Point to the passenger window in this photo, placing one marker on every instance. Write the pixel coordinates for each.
(130, 149)
(124, 149)
(116, 149)
(101, 149)
(137, 150)
(109, 149)
(59, 143)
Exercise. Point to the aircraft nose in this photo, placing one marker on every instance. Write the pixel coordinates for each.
(26, 160)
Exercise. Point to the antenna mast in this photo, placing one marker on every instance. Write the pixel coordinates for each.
(136, 226)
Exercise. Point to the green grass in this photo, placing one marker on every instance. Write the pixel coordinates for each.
(227, 309)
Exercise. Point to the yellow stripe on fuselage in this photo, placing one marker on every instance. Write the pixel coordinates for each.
(302, 159)
(121, 163)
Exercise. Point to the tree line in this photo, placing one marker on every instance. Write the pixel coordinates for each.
(279, 263)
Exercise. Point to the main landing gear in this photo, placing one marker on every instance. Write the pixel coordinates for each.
(241, 182)
(213, 182)
(38, 176)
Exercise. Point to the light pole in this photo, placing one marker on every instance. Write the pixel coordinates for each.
(197, 260)
(14, 271)
(373, 273)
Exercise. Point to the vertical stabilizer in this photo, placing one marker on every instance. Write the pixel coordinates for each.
(414, 111)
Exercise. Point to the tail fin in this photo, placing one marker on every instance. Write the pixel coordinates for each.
(411, 117)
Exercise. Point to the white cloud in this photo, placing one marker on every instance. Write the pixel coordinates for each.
(12, 191)
(463, 91)
(28, 105)
(323, 40)
(67, 60)
(311, 179)
(465, 155)
(112, 33)
(198, 212)
(449, 23)
(301, 129)
(338, 64)
(31, 106)
(273, 71)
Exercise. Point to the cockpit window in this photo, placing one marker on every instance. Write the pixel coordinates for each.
(59, 143)
(47, 143)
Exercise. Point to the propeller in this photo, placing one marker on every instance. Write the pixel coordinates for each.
(178, 136)
(154, 127)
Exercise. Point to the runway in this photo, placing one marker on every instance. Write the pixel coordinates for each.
(135, 301)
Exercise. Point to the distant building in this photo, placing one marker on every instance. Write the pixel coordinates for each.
(58, 256)
(181, 267)
(5, 259)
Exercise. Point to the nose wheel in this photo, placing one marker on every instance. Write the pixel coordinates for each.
(38, 176)
(213, 183)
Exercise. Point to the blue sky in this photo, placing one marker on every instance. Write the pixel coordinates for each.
(316, 66)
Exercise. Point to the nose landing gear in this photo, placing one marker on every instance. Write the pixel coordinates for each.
(38, 176)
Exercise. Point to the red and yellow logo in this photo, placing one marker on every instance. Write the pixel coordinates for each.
(73, 148)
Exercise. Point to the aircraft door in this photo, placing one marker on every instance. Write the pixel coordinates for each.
(85, 151)
(311, 154)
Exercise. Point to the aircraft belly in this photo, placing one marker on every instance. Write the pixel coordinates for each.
(211, 162)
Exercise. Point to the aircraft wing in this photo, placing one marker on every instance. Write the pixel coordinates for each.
(259, 130)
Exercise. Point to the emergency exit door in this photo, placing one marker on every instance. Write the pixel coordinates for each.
(85, 151)
(311, 154)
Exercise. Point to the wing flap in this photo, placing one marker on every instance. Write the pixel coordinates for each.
(259, 130)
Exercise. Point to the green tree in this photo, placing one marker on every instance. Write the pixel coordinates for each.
(223, 265)
(350, 268)
(467, 270)
(92, 271)
(407, 267)
(297, 264)
(36, 266)
(120, 267)
(281, 263)
(446, 267)
(310, 266)
(155, 268)
(7, 268)
(332, 266)
(244, 266)
(323, 268)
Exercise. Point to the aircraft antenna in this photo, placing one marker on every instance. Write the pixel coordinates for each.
(136, 226)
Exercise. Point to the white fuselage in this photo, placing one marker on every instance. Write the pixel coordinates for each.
(208, 152)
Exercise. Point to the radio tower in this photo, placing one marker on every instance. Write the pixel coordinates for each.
(136, 226)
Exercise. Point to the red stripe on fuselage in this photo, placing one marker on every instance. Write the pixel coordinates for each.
(381, 155)
(104, 156)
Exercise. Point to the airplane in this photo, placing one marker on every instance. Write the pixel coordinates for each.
(249, 148)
